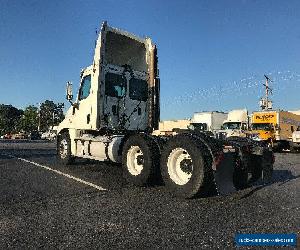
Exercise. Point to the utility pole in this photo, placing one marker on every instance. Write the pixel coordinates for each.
(265, 103)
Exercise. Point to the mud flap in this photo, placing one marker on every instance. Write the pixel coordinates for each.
(224, 175)
(267, 166)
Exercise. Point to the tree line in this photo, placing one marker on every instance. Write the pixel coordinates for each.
(32, 118)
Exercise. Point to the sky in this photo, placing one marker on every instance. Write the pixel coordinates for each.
(212, 54)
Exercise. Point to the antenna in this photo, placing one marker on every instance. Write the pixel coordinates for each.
(265, 103)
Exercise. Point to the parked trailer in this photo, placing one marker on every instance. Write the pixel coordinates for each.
(208, 121)
(117, 109)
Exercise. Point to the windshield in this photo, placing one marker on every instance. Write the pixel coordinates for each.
(262, 126)
(231, 125)
(85, 87)
(199, 126)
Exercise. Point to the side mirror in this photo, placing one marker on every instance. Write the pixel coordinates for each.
(69, 91)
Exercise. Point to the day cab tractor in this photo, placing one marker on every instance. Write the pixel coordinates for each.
(116, 111)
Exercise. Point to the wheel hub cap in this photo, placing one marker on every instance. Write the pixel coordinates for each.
(135, 160)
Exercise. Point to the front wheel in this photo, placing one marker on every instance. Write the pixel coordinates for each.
(64, 155)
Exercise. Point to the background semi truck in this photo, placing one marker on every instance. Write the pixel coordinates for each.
(275, 127)
(206, 121)
(236, 124)
(295, 140)
(117, 109)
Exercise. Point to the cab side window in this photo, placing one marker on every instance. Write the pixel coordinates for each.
(85, 87)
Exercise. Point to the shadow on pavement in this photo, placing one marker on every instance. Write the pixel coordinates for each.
(279, 176)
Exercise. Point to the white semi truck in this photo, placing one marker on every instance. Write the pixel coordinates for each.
(116, 110)
(206, 121)
(295, 140)
(236, 124)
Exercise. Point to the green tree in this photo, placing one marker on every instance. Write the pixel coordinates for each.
(51, 114)
(9, 118)
(29, 120)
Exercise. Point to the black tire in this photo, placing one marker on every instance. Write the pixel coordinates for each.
(63, 151)
(145, 170)
(240, 175)
(193, 149)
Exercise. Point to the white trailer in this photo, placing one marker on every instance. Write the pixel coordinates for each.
(209, 120)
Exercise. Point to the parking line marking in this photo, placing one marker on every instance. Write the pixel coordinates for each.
(63, 174)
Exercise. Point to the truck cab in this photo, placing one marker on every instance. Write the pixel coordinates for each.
(119, 90)
(118, 93)
(236, 124)
(263, 131)
(295, 141)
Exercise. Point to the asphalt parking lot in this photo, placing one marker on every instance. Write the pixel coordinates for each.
(89, 205)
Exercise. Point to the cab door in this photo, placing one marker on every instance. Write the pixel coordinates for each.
(84, 113)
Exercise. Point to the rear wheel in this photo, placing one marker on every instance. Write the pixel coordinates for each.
(140, 158)
(64, 155)
(182, 166)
